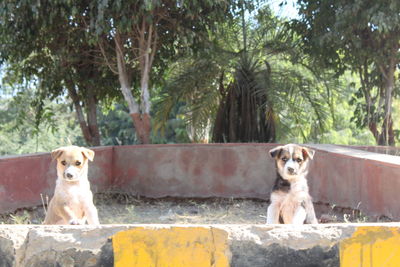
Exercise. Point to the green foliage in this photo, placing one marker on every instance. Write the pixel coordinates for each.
(189, 96)
(116, 126)
(56, 55)
(199, 51)
(343, 130)
(20, 134)
(178, 26)
(363, 37)
(245, 113)
(296, 90)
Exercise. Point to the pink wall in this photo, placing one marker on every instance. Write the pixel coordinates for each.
(195, 170)
(342, 176)
(349, 178)
(22, 179)
(395, 151)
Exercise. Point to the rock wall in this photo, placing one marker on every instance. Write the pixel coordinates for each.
(205, 245)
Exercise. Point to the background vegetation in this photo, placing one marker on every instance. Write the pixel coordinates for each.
(126, 72)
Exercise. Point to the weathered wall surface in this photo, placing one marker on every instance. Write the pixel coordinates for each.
(223, 170)
(358, 179)
(342, 176)
(390, 150)
(23, 179)
(345, 245)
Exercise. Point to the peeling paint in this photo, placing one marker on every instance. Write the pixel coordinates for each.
(371, 246)
(175, 246)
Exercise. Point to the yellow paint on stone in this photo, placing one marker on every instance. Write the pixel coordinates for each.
(371, 246)
(172, 247)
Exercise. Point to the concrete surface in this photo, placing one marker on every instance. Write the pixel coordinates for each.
(390, 150)
(201, 245)
(358, 179)
(222, 170)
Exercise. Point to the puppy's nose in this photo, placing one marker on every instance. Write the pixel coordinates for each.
(69, 175)
(290, 170)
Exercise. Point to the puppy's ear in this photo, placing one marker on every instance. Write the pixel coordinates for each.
(275, 151)
(56, 153)
(308, 153)
(89, 154)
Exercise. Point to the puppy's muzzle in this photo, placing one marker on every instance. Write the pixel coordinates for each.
(291, 171)
(68, 176)
(71, 174)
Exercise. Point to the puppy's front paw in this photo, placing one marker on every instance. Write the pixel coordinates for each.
(75, 222)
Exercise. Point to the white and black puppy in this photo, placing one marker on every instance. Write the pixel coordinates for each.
(291, 202)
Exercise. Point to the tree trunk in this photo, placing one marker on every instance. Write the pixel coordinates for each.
(147, 41)
(388, 74)
(145, 118)
(91, 107)
(141, 121)
(219, 125)
(374, 130)
(142, 124)
(243, 117)
(386, 138)
(89, 129)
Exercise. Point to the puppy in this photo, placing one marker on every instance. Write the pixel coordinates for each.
(72, 202)
(290, 200)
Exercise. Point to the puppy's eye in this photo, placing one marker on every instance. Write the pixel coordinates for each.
(64, 162)
(77, 163)
(299, 160)
(284, 159)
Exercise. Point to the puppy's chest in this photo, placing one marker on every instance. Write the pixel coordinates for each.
(73, 195)
(298, 192)
(295, 193)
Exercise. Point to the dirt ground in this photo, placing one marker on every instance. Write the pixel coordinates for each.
(127, 209)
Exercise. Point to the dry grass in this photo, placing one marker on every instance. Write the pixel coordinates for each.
(117, 208)
(128, 209)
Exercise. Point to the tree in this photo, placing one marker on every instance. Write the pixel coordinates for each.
(50, 43)
(19, 131)
(245, 113)
(363, 36)
(252, 94)
(141, 35)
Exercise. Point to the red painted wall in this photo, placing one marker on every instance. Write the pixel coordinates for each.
(342, 176)
(195, 170)
(22, 179)
(351, 178)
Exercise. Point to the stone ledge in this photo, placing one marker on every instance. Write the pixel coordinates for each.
(218, 245)
(358, 153)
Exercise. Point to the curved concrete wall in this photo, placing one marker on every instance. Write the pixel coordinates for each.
(357, 179)
(223, 170)
(342, 176)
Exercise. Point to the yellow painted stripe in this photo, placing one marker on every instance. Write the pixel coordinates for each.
(172, 247)
(371, 246)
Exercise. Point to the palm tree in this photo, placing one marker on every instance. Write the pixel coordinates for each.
(251, 92)
(245, 113)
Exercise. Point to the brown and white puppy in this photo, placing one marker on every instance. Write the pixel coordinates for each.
(72, 202)
(291, 202)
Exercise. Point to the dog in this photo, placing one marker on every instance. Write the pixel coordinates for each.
(291, 202)
(72, 202)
